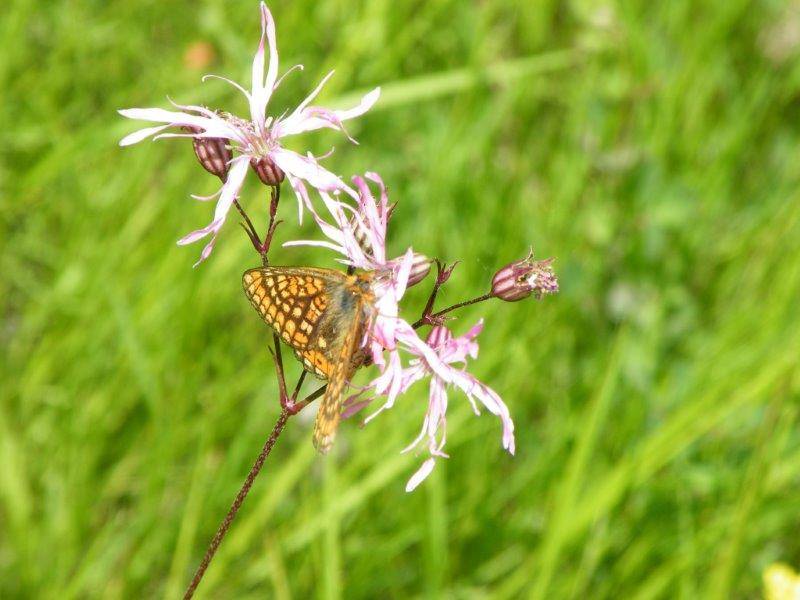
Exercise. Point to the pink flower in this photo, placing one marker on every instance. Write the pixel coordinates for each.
(359, 236)
(435, 359)
(255, 140)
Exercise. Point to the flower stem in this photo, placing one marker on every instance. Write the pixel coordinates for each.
(249, 228)
(430, 318)
(289, 408)
(237, 503)
(275, 197)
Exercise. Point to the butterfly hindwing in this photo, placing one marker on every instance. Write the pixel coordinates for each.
(330, 408)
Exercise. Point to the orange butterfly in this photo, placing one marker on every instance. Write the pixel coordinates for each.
(322, 315)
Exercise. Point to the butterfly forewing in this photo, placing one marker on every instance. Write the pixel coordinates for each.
(292, 301)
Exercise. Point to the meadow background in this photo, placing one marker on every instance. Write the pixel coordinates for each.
(651, 147)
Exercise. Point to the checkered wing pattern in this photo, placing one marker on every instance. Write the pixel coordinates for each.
(319, 313)
(294, 301)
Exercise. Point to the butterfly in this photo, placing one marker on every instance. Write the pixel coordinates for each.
(322, 314)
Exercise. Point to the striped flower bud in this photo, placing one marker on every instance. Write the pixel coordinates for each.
(439, 336)
(419, 269)
(213, 153)
(522, 278)
(268, 172)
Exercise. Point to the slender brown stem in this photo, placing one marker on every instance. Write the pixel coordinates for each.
(429, 318)
(275, 197)
(237, 503)
(458, 305)
(289, 408)
(249, 228)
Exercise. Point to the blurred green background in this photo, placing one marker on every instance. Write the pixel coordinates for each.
(651, 148)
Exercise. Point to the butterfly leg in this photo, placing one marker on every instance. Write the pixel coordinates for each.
(309, 399)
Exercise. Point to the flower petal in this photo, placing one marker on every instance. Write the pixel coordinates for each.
(420, 475)
(199, 234)
(313, 118)
(261, 88)
(307, 169)
(288, 125)
(212, 127)
(138, 136)
(229, 192)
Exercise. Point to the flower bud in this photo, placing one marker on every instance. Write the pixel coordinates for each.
(213, 154)
(360, 236)
(268, 172)
(420, 268)
(439, 336)
(522, 278)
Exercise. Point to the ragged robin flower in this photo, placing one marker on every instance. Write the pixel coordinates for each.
(255, 141)
(359, 236)
(450, 351)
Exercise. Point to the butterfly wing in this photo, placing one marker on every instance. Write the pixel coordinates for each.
(318, 314)
(293, 302)
(330, 408)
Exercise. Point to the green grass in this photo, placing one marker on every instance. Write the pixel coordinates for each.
(651, 147)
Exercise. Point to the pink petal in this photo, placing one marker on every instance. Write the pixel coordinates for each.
(206, 251)
(212, 127)
(301, 193)
(355, 407)
(317, 243)
(198, 234)
(492, 401)
(287, 125)
(206, 198)
(229, 191)
(282, 77)
(232, 185)
(367, 102)
(420, 475)
(229, 82)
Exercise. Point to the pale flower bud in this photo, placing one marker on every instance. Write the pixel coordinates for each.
(420, 268)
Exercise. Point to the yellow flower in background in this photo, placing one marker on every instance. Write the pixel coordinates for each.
(781, 583)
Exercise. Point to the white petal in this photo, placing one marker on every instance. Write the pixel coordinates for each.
(307, 121)
(261, 87)
(420, 475)
(138, 136)
(307, 169)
